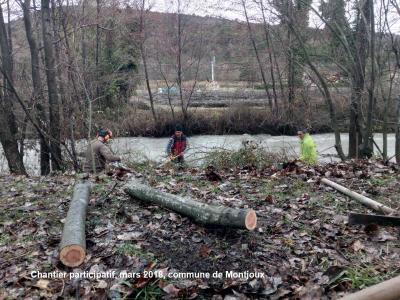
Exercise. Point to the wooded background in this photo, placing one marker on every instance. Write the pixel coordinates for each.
(68, 67)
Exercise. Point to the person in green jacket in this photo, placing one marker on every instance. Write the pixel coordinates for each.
(308, 152)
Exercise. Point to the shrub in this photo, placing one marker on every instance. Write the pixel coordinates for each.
(258, 158)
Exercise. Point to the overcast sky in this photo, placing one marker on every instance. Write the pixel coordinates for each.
(232, 9)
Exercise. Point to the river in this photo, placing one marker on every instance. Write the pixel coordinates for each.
(140, 148)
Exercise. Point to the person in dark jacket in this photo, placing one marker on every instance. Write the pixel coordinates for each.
(177, 145)
(98, 153)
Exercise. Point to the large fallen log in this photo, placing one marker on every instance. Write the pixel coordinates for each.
(360, 198)
(200, 212)
(363, 219)
(387, 290)
(73, 242)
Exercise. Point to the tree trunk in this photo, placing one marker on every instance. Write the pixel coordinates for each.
(360, 49)
(73, 242)
(179, 78)
(367, 148)
(37, 95)
(97, 52)
(10, 44)
(201, 212)
(51, 74)
(387, 290)
(8, 124)
(144, 59)
(253, 42)
(360, 198)
(355, 136)
(271, 63)
(146, 74)
(83, 39)
(327, 96)
(397, 146)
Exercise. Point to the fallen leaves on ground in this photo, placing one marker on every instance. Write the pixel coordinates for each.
(303, 244)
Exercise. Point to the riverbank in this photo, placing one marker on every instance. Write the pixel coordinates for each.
(234, 117)
(201, 146)
(303, 244)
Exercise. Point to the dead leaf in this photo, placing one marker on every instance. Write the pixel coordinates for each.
(269, 199)
(135, 219)
(357, 246)
(129, 236)
(204, 251)
(42, 284)
(102, 284)
(171, 290)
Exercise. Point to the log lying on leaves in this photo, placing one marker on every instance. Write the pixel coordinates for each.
(363, 219)
(73, 242)
(360, 198)
(200, 212)
(387, 290)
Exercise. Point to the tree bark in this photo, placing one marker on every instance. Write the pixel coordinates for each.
(97, 52)
(144, 58)
(367, 147)
(360, 198)
(51, 74)
(37, 94)
(8, 124)
(271, 62)
(360, 49)
(253, 42)
(200, 212)
(397, 146)
(179, 78)
(73, 242)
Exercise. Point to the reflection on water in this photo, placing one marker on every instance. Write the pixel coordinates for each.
(137, 148)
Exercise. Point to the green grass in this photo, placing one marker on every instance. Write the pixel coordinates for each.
(149, 292)
(299, 186)
(131, 250)
(361, 277)
(381, 181)
(4, 239)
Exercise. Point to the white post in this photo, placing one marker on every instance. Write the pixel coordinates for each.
(212, 68)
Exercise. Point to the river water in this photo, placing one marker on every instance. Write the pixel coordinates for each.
(140, 148)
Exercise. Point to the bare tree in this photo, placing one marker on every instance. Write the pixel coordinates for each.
(51, 75)
(260, 65)
(37, 95)
(140, 6)
(8, 125)
(325, 91)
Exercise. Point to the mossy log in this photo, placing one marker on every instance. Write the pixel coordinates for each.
(202, 213)
(73, 242)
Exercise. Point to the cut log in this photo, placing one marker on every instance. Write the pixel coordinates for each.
(387, 290)
(362, 219)
(360, 198)
(200, 212)
(73, 242)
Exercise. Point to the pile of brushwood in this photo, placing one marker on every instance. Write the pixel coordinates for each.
(302, 244)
